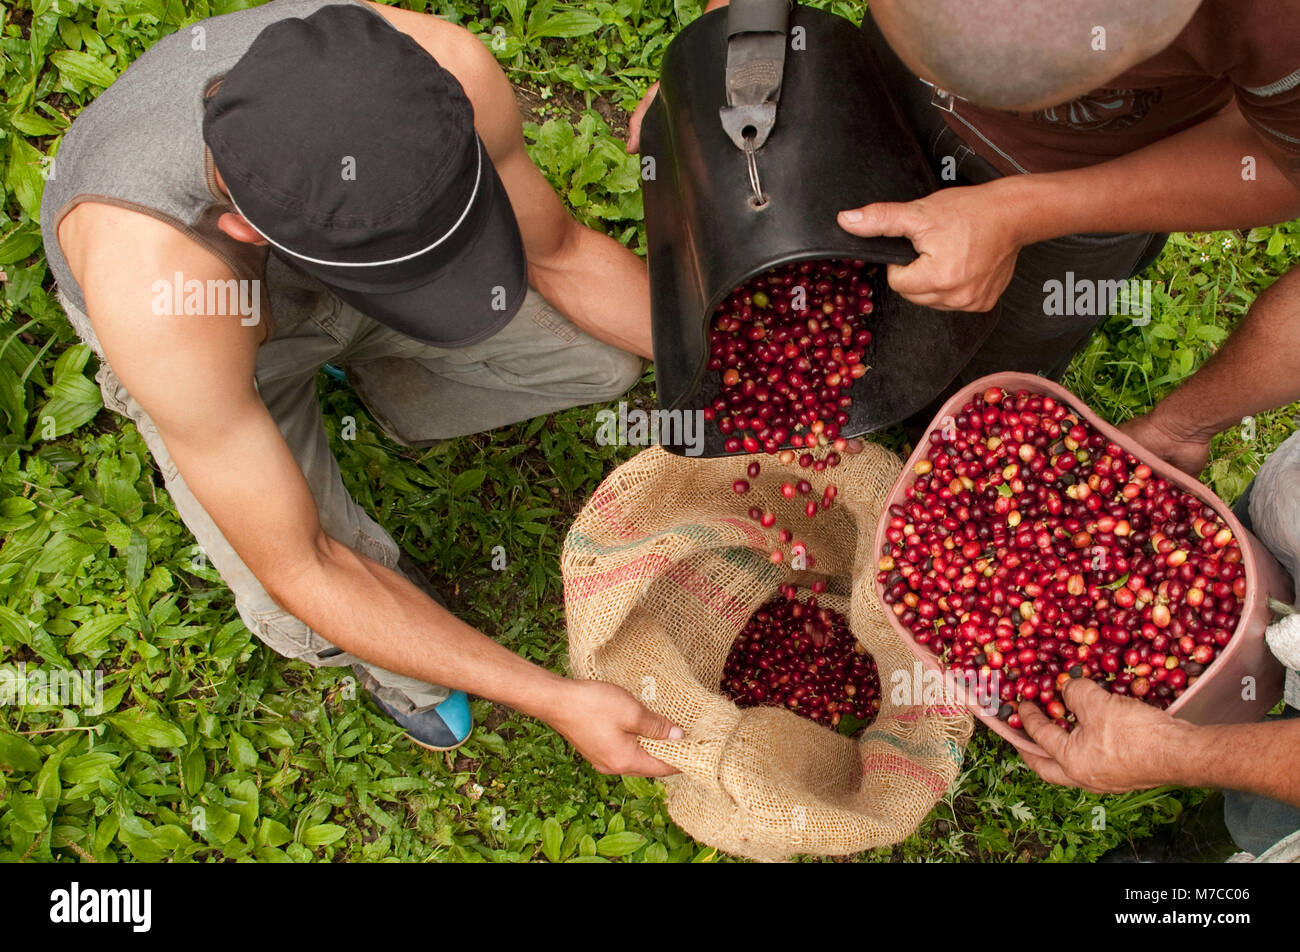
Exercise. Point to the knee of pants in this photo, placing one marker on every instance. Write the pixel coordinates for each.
(609, 372)
(288, 636)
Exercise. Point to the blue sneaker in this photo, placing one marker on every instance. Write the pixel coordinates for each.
(440, 728)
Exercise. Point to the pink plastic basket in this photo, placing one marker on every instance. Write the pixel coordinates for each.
(1225, 693)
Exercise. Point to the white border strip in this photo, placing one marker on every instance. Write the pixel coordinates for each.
(1284, 84)
(989, 142)
(1279, 135)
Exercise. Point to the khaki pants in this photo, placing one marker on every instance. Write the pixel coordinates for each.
(538, 364)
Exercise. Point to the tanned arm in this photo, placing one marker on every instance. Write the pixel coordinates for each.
(597, 283)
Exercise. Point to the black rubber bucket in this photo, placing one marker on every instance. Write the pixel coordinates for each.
(838, 141)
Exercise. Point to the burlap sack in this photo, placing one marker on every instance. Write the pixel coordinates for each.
(661, 571)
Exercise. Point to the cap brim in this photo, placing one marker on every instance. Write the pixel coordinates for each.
(468, 298)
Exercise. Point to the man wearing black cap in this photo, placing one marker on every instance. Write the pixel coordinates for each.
(317, 181)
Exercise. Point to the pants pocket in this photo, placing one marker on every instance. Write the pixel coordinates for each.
(288, 636)
(374, 543)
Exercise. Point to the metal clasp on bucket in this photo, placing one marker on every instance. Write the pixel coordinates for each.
(756, 38)
(758, 199)
(940, 98)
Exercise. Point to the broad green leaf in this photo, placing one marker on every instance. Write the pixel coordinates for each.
(147, 729)
(640, 787)
(93, 636)
(273, 833)
(171, 837)
(14, 628)
(47, 778)
(63, 552)
(75, 389)
(137, 836)
(17, 753)
(572, 836)
(19, 244)
(516, 10)
(82, 68)
(72, 361)
(552, 838)
(216, 824)
(25, 179)
(64, 416)
(277, 736)
(269, 854)
(193, 771)
(154, 8)
(13, 403)
(567, 24)
(849, 725)
(468, 481)
(137, 553)
(118, 535)
(619, 844)
(242, 752)
(89, 768)
(30, 124)
(322, 834)
(27, 812)
(15, 506)
(112, 698)
(70, 34)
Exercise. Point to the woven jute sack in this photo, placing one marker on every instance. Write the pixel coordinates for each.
(663, 568)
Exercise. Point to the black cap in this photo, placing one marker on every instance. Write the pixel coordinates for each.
(346, 145)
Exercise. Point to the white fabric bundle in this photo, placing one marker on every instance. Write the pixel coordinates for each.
(1275, 513)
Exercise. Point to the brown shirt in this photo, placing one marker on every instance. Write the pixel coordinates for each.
(1243, 49)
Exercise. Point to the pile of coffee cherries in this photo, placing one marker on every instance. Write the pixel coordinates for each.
(788, 345)
(799, 655)
(1031, 546)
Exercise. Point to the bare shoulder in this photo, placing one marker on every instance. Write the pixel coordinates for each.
(465, 56)
(448, 43)
(166, 310)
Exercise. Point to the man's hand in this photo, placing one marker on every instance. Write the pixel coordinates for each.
(966, 240)
(1119, 743)
(634, 124)
(1188, 452)
(603, 722)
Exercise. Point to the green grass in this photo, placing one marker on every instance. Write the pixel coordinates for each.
(212, 747)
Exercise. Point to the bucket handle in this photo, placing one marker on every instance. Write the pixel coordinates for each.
(756, 43)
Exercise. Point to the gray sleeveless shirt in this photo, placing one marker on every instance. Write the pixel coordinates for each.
(140, 144)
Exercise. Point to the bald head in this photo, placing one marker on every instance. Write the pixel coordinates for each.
(1009, 54)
